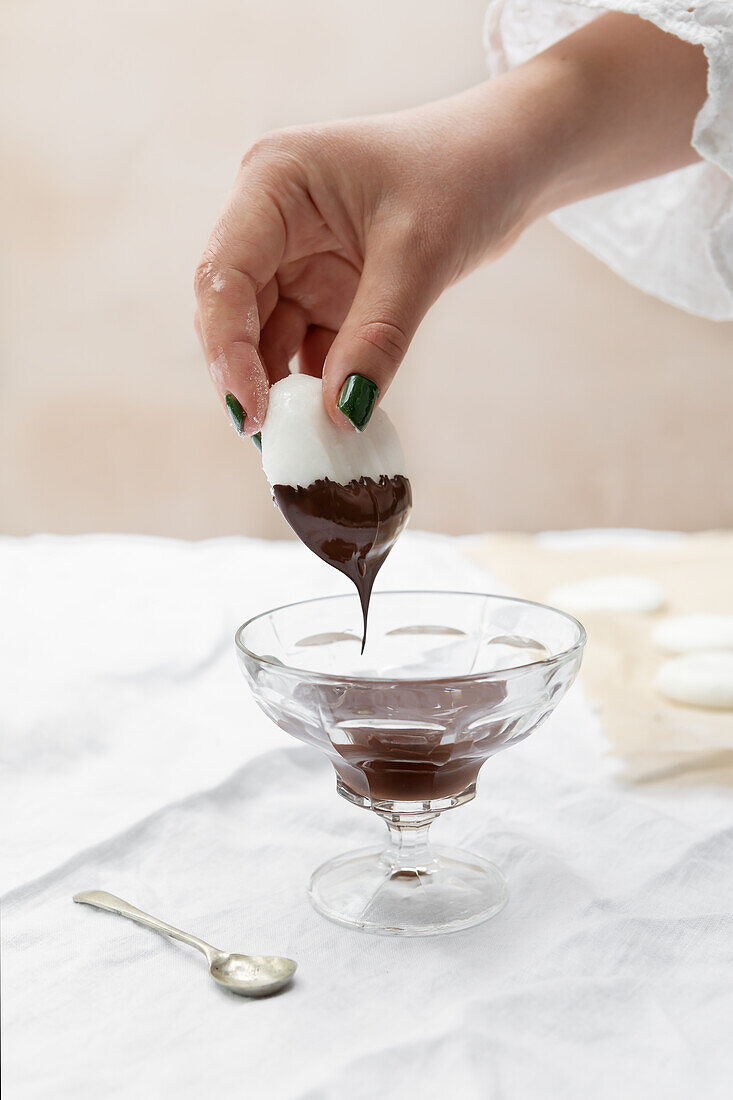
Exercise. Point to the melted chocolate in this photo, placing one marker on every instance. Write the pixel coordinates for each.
(408, 741)
(353, 527)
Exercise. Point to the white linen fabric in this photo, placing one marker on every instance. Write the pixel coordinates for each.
(134, 760)
(672, 236)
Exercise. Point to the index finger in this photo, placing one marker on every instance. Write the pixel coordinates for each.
(242, 256)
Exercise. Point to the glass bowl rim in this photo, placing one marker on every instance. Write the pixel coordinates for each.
(331, 677)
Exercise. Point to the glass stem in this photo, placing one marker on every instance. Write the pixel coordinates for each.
(409, 851)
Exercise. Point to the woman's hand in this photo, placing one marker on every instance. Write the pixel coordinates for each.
(337, 239)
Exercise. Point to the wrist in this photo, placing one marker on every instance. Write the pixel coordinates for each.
(537, 110)
(507, 143)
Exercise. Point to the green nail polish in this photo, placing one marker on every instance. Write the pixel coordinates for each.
(236, 412)
(257, 440)
(357, 400)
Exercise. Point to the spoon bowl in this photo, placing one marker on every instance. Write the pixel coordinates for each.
(252, 975)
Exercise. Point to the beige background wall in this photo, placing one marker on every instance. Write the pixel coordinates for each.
(585, 401)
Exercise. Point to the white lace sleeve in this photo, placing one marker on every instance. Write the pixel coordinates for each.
(671, 236)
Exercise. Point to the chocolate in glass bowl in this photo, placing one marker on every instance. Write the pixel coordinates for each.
(448, 680)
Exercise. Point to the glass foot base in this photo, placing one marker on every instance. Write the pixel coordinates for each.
(365, 889)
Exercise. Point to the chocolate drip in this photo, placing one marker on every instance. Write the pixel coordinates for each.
(353, 527)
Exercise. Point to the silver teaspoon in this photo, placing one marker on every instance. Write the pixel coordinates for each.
(248, 975)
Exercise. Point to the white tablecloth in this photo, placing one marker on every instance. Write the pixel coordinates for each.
(134, 760)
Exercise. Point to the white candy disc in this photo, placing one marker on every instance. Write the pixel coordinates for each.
(699, 679)
(619, 593)
(689, 633)
(301, 444)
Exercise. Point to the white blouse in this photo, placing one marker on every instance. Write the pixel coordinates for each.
(671, 236)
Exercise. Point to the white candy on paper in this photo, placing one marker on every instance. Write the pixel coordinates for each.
(698, 679)
(690, 633)
(625, 592)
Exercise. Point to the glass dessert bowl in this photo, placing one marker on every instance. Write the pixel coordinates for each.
(447, 679)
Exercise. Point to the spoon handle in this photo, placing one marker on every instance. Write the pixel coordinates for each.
(100, 899)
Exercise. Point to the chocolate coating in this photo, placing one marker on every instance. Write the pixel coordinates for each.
(353, 527)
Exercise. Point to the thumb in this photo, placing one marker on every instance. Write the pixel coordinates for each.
(391, 300)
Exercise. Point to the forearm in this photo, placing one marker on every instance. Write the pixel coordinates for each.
(611, 104)
(615, 103)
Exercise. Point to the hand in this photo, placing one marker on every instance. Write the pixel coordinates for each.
(338, 238)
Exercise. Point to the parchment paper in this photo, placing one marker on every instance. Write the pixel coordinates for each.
(652, 737)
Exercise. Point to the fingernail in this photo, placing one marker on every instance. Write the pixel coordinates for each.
(236, 412)
(357, 400)
(257, 440)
